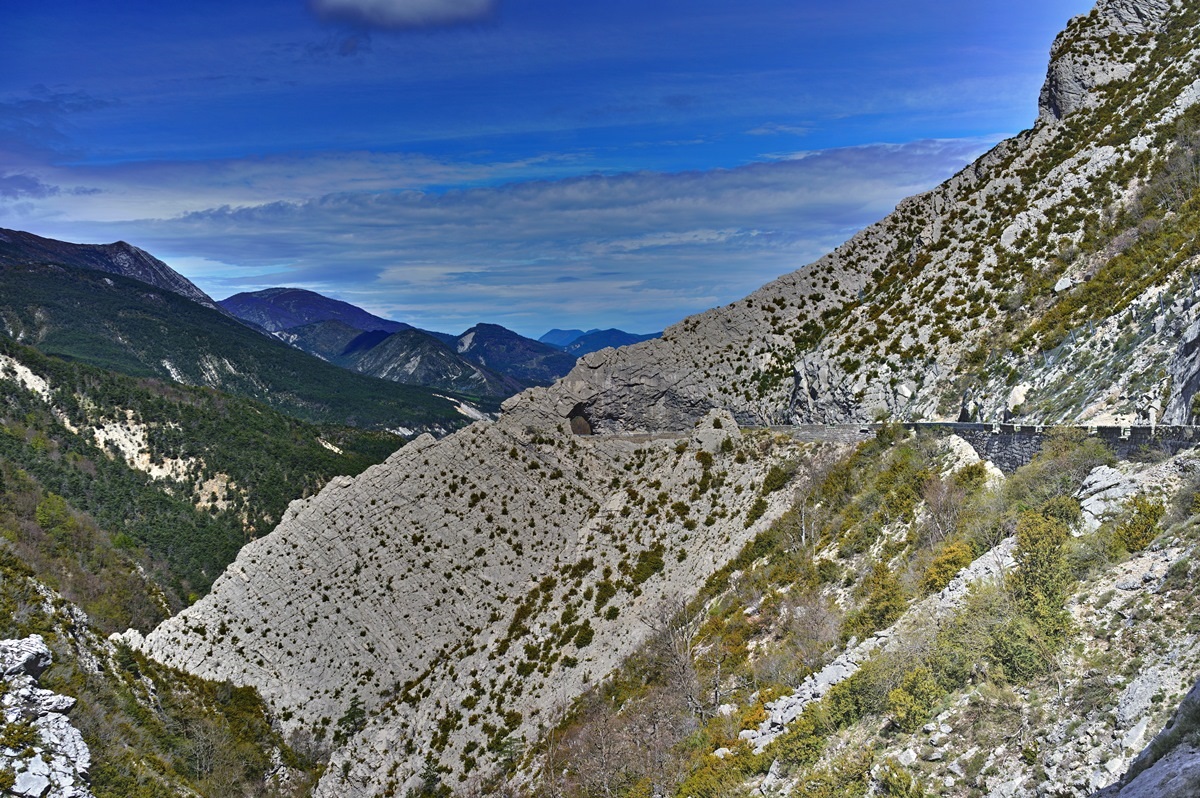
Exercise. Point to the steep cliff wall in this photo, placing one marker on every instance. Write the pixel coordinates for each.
(1040, 254)
(460, 593)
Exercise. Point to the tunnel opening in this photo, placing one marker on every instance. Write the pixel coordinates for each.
(580, 423)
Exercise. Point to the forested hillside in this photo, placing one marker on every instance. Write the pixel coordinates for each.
(127, 326)
(140, 476)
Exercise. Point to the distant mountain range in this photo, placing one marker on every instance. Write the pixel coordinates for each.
(408, 356)
(90, 302)
(580, 343)
(102, 318)
(486, 360)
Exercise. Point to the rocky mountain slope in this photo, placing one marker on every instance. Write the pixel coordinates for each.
(21, 248)
(416, 358)
(120, 500)
(452, 568)
(86, 717)
(878, 640)
(440, 612)
(1006, 288)
(410, 356)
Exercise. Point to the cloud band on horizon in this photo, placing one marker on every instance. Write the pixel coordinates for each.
(635, 249)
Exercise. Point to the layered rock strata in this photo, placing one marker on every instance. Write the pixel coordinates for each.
(41, 751)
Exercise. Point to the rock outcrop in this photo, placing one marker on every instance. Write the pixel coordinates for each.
(44, 754)
(1185, 378)
(1169, 767)
(446, 601)
(1081, 60)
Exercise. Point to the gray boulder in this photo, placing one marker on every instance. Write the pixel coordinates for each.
(57, 764)
(1169, 767)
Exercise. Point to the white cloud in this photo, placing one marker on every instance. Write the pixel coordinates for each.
(101, 193)
(637, 250)
(775, 129)
(405, 13)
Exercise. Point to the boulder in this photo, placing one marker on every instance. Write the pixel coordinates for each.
(58, 765)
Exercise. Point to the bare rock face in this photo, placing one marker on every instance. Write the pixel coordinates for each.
(1185, 378)
(50, 757)
(1169, 767)
(446, 601)
(1081, 60)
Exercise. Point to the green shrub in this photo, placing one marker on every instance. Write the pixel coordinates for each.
(953, 557)
(884, 603)
(1067, 457)
(755, 512)
(847, 776)
(605, 590)
(1041, 579)
(776, 479)
(911, 703)
(649, 563)
(1019, 650)
(1139, 525)
(19, 735)
(896, 782)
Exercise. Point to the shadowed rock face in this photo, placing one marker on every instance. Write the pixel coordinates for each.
(1185, 378)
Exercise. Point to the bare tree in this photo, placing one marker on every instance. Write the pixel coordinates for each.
(674, 647)
(659, 722)
(943, 504)
(809, 626)
(600, 754)
(803, 522)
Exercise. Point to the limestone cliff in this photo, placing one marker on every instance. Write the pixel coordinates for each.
(1016, 264)
(455, 597)
(43, 752)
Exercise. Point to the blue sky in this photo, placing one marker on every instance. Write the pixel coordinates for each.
(531, 163)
